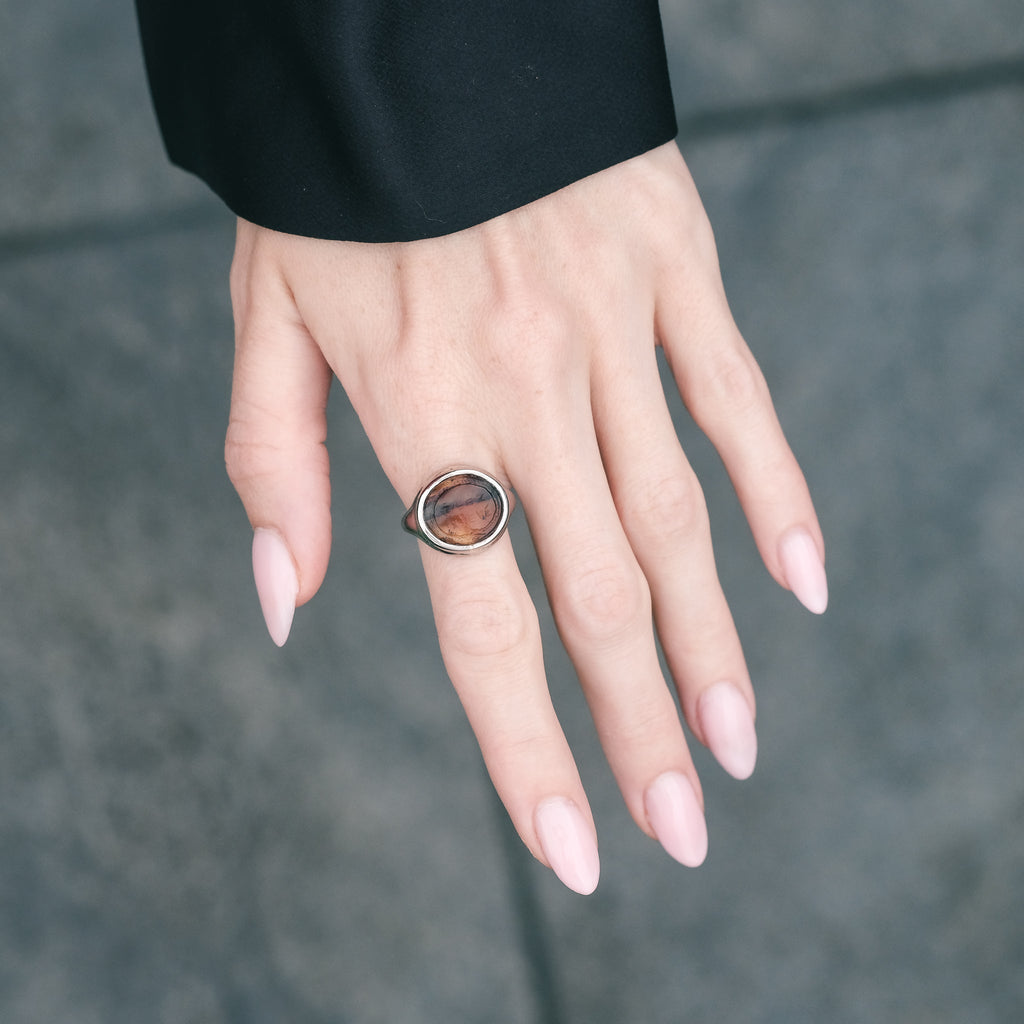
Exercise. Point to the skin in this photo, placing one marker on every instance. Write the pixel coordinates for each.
(526, 346)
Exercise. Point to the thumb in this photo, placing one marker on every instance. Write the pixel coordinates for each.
(277, 460)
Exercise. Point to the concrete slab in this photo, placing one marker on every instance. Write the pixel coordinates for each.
(79, 140)
(869, 869)
(193, 825)
(726, 52)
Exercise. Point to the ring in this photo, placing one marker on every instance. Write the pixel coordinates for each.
(459, 511)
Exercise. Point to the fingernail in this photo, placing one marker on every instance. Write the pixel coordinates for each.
(568, 844)
(675, 815)
(728, 728)
(803, 569)
(276, 582)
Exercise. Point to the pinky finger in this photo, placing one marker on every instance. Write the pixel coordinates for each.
(727, 395)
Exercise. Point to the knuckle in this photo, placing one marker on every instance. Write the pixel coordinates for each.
(603, 599)
(483, 621)
(668, 508)
(701, 236)
(687, 234)
(244, 459)
(253, 442)
(733, 380)
(255, 457)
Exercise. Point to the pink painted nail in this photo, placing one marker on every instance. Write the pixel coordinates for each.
(803, 569)
(675, 815)
(728, 728)
(276, 582)
(568, 844)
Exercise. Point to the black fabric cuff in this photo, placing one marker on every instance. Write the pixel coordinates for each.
(391, 120)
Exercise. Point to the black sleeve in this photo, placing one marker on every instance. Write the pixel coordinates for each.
(387, 120)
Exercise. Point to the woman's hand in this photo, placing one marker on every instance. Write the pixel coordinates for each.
(525, 347)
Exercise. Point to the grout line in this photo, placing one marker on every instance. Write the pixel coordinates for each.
(533, 931)
(112, 230)
(899, 90)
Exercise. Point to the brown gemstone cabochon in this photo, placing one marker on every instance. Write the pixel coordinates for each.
(462, 510)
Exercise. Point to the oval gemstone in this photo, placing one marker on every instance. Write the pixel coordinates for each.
(462, 510)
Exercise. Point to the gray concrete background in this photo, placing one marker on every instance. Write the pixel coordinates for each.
(198, 829)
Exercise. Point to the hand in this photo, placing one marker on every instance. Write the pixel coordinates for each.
(525, 347)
